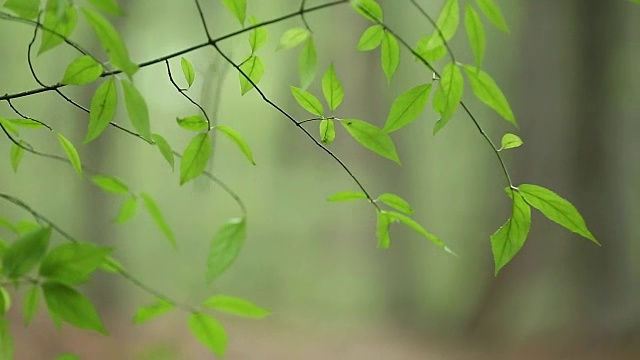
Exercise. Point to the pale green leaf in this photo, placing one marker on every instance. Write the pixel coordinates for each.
(258, 36)
(332, 88)
(383, 222)
(60, 19)
(193, 123)
(209, 332)
(26, 9)
(67, 356)
(108, 6)
(510, 141)
(307, 101)
(509, 239)
(146, 313)
(372, 138)
(475, 33)
(371, 38)
(225, 247)
(235, 306)
(187, 71)
(5, 301)
(136, 109)
(293, 37)
(103, 108)
(308, 63)
(407, 107)
(82, 70)
(389, 55)
(127, 210)
(448, 96)
(26, 123)
(15, 154)
(9, 126)
(370, 9)
(415, 226)
(492, 11)
(486, 89)
(447, 23)
(195, 157)
(346, 196)
(253, 68)
(164, 148)
(327, 131)
(396, 202)
(430, 54)
(237, 138)
(158, 218)
(71, 152)
(31, 304)
(6, 350)
(110, 184)
(73, 263)
(25, 253)
(238, 8)
(67, 304)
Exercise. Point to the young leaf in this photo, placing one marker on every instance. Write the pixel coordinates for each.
(371, 38)
(73, 263)
(556, 209)
(111, 41)
(9, 226)
(25, 253)
(67, 356)
(293, 37)
(346, 196)
(332, 88)
(407, 107)
(187, 71)
(307, 101)
(308, 63)
(413, 225)
(475, 33)
(447, 23)
(26, 9)
(103, 108)
(235, 306)
(492, 11)
(6, 350)
(158, 218)
(164, 147)
(26, 226)
(258, 36)
(430, 55)
(110, 184)
(510, 141)
(146, 313)
(9, 126)
(448, 96)
(82, 70)
(225, 247)
(253, 67)
(5, 301)
(60, 19)
(127, 210)
(396, 202)
(486, 89)
(108, 6)
(508, 240)
(370, 9)
(327, 131)
(390, 55)
(31, 304)
(238, 8)
(67, 304)
(383, 222)
(136, 109)
(15, 154)
(195, 157)
(371, 138)
(193, 123)
(237, 138)
(209, 332)
(71, 152)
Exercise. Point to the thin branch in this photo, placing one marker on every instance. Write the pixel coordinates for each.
(15, 110)
(303, 17)
(182, 92)
(203, 21)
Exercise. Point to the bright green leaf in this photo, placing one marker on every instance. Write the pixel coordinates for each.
(327, 131)
(5, 301)
(346, 196)
(195, 157)
(158, 218)
(447, 23)
(308, 63)
(475, 33)
(293, 37)
(127, 210)
(430, 55)
(396, 202)
(15, 154)
(193, 123)
(371, 138)
(448, 96)
(253, 67)
(146, 313)
(187, 71)
(209, 332)
(108, 6)
(9, 126)
(492, 11)
(308, 101)
(237, 138)
(238, 8)
(332, 88)
(31, 304)
(67, 304)
(25, 253)
(383, 222)
(164, 147)
(82, 70)
(26, 9)
(67, 356)
(60, 19)
(136, 109)
(8, 225)
(110, 184)
(370, 9)
(486, 89)
(25, 123)
(27, 226)
(258, 36)
(6, 350)
(103, 108)
(73, 263)
(412, 224)
(225, 247)
(510, 141)
(509, 239)
(407, 107)
(71, 152)
(371, 38)
(235, 306)
(556, 209)
(390, 55)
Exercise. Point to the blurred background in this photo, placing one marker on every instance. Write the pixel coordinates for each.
(570, 70)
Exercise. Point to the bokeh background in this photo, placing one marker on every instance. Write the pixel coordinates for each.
(570, 70)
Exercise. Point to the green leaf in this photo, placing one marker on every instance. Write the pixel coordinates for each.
(447, 23)
(475, 33)
(370, 9)
(237, 138)
(6, 350)
(158, 218)
(225, 247)
(371, 38)
(73, 263)
(308, 101)
(127, 210)
(111, 41)
(235, 306)
(136, 109)
(448, 96)
(31, 304)
(407, 107)
(5, 301)
(26, 9)
(332, 88)
(396, 202)
(25, 123)
(8, 225)
(195, 157)
(492, 11)
(112, 265)
(430, 54)
(67, 304)
(413, 225)
(383, 223)
(390, 55)
(25, 253)
(8, 125)
(71, 152)
(238, 8)
(146, 313)
(327, 131)
(258, 36)
(486, 89)
(508, 240)
(556, 209)
(510, 141)
(371, 138)
(253, 67)
(103, 108)
(83, 70)
(110, 184)
(193, 123)
(60, 19)
(293, 37)
(308, 63)
(15, 154)
(187, 70)
(108, 6)
(346, 196)
(164, 147)
(67, 356)
(209, 332)
(27, 226)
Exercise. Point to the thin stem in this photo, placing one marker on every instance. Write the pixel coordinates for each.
(303, 17)
(203, 21)
(15, 110)
(182, 92)
(435, 26)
